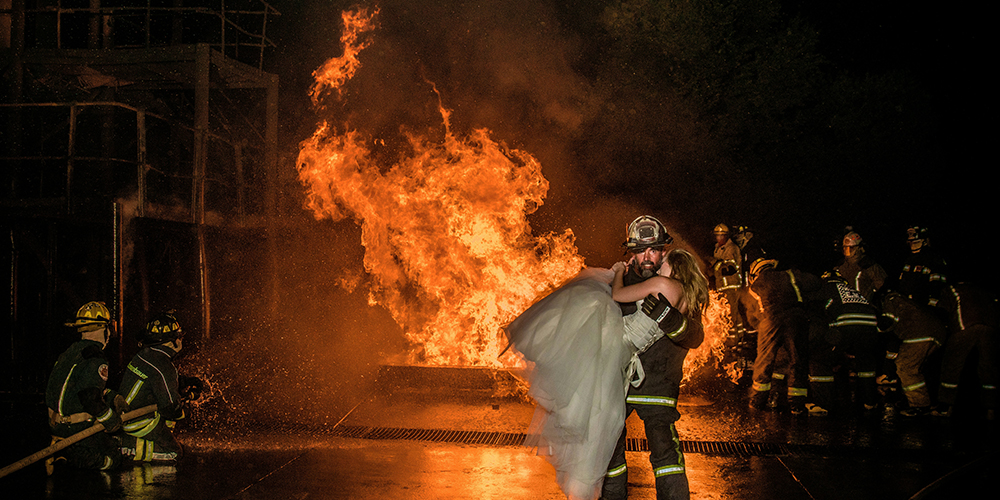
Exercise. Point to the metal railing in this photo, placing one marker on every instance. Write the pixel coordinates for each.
(231, 26)
(73, 151)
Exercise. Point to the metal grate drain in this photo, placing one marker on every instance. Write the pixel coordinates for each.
(733, 448)
(436, 435)
(721, 448)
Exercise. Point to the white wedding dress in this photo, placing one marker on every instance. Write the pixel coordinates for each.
(573, 342)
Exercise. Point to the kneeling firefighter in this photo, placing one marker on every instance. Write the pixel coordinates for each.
(151, 378)
(77, 398)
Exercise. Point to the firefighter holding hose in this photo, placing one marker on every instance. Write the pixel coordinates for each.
(77, 398)
(151, 378)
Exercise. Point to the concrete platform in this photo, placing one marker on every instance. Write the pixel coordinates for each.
(421, 438)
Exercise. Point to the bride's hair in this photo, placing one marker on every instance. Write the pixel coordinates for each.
(683, 268)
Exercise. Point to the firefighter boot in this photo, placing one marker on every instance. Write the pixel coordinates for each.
(797, 405)
(758, 400)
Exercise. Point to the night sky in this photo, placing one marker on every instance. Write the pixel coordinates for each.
(526, 71)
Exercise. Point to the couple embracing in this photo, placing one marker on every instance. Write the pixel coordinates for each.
(607, 343)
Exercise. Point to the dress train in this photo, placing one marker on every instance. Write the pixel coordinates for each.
(573, 342)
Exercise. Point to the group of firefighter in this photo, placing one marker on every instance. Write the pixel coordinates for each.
(79, 398)
(855, 338)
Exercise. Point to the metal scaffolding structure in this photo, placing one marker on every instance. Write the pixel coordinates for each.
(135, 136)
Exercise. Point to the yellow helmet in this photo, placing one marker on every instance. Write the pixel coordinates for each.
(91, 316)
(721, 229)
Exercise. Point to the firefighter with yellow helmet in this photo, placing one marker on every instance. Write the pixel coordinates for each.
(151, 378)
(77, 396)
(782, 297)
(726, 268)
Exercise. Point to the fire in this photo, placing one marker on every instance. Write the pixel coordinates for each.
(336, 71)
(448, 247)
(716, 321)
(447, 243)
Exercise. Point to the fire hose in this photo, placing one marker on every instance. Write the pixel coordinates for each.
(63, 443)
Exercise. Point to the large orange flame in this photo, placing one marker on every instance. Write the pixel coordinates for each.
(447, 243)
(338, 70)
(716, 321)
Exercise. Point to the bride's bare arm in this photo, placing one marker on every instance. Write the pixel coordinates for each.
(669, 287)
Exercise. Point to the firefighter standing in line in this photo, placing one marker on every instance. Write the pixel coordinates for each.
(655, 400)
(781, 296)
(849, 337)
(974, 326)
(151, 378)
(726, 270)
(750, 251)
(924, 275)
(750, 309)
(920, 333)
(859, 270)
(77, 398)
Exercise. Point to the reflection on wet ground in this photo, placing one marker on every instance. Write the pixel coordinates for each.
(405, 443)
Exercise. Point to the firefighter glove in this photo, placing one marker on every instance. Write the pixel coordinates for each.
(670, 319)
(191, 388)
(654, 307)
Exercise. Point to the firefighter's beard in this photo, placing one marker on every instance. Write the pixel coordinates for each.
(648, 268)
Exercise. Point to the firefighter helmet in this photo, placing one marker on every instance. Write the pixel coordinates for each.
(721, 229)
(161, 329)
(832, 275)
(760, 265)
(916, 237)
(852, 239)
(851, 245)
(646, 232)
(91, 316)
(916, 233)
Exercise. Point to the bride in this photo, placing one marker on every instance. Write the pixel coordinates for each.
(579, 364)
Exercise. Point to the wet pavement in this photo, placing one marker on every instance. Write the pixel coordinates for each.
(447, 433)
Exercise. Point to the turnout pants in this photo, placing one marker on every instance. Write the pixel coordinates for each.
(789, 329)
(853, 347)
(957, 350)
(153, 443)
(665, 455)
(101, 451)
(909, 366)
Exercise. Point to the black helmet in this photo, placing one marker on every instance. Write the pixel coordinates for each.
(833, 275)
(161, 329)
(646, 232)
(916, 233)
